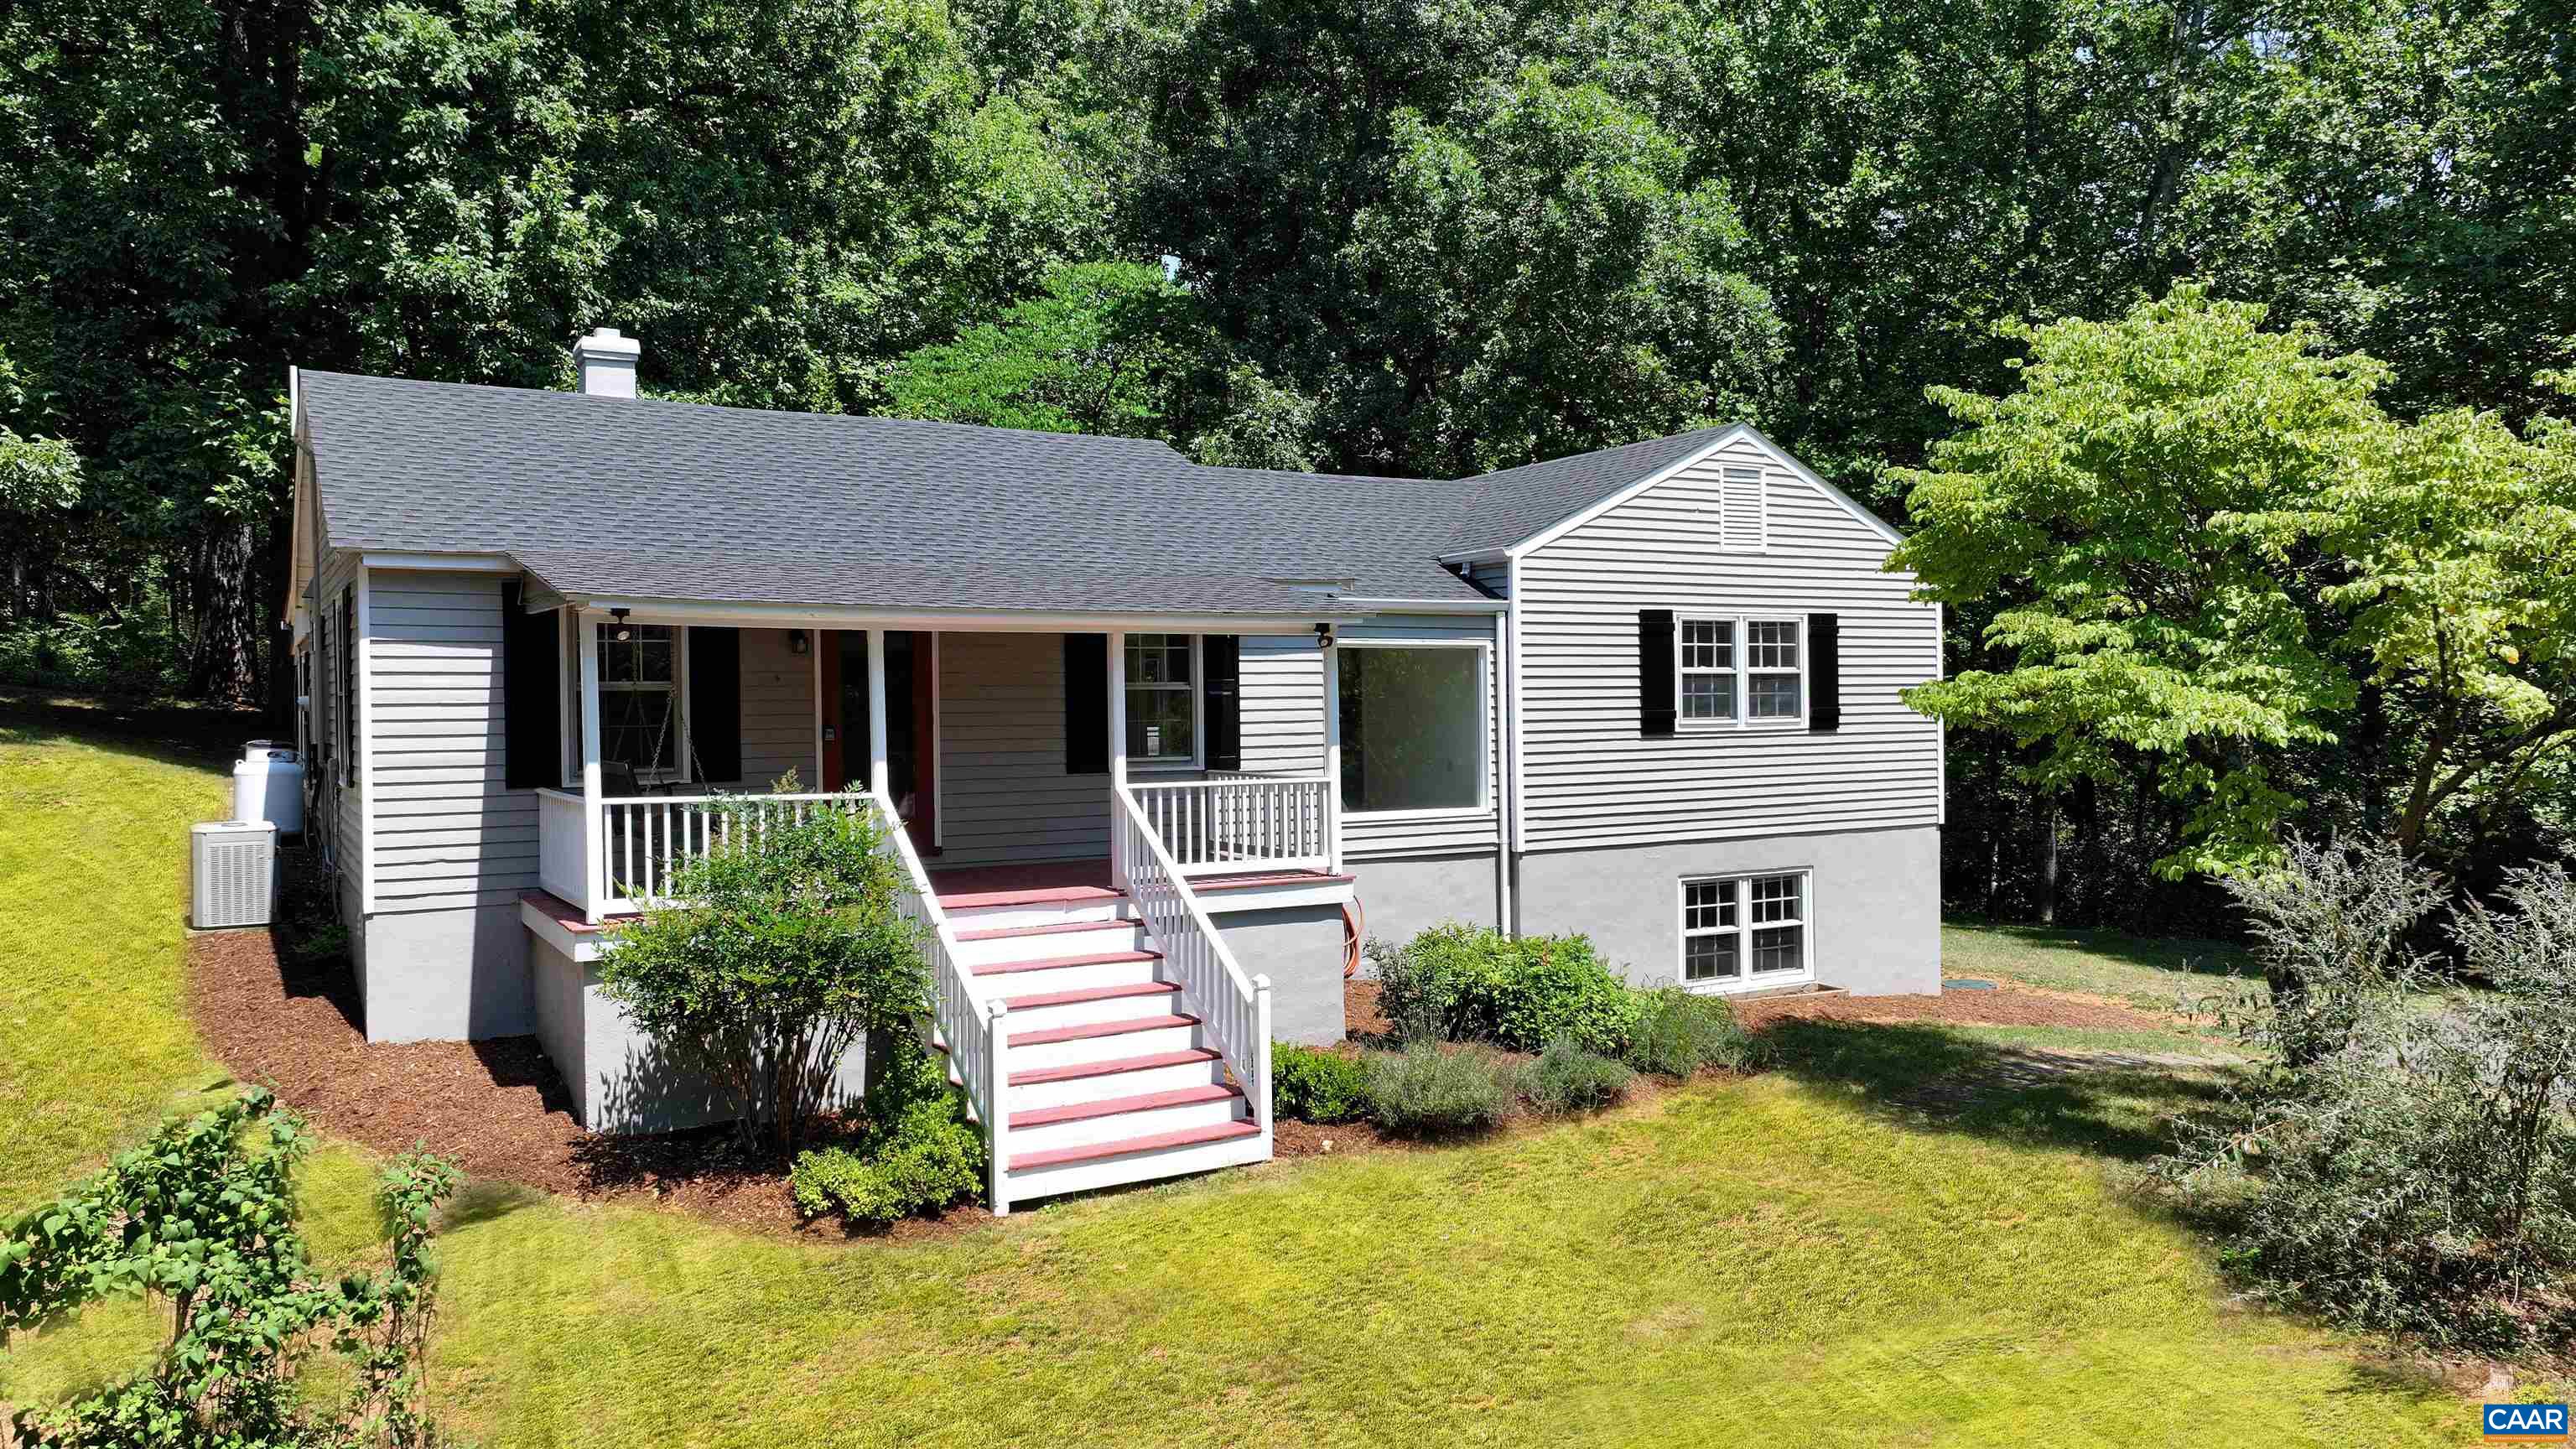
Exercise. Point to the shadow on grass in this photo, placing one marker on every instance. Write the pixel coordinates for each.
(485, 1200)
(2198, 956)
(173, 734)
(1942, 1079)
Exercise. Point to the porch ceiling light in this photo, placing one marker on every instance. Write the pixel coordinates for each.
(796, 641)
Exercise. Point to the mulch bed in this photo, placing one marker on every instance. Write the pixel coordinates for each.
(2006, 1005)
(496, 1107)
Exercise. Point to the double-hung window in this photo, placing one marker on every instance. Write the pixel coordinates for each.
(1745, 931)
(639, 699)
(1162, 699)
(1738, 670)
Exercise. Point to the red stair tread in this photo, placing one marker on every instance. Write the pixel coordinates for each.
(1092, 993)
(1087, 1030)
(1075, 1071)
(1186, 1137)
(1112, 1106)
(1051, 928)
(1034, 896)
(1049, 963)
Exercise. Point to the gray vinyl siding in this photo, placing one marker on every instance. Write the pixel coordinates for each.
(1589, 779)
(337, 804)
(777, 712)
(448, 833)
(1283, 728)
(1004, 794)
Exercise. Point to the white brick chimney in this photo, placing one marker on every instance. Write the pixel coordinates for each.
(606, 362)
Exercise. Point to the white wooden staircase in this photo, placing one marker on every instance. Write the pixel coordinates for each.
(1102, 1033)
(1112, 1076)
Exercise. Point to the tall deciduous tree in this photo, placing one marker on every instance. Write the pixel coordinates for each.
(2147, 500)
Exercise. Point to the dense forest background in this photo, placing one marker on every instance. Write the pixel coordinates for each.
(1411, 236)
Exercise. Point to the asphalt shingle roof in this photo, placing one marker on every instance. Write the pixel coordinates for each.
(1514, 504)
(605, 496)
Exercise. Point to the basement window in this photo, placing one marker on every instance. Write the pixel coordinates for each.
(1746, 931)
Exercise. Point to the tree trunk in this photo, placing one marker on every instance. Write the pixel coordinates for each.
(226, 666)
(2048, 860)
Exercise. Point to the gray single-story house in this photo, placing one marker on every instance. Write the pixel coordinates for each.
(1163, 741)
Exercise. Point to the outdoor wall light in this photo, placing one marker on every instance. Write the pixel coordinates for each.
(623, 633)
(1323, 636)
(796, 641)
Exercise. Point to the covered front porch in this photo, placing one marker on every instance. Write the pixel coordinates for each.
(1000, 749)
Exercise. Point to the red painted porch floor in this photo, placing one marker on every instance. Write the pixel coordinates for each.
(976, 885)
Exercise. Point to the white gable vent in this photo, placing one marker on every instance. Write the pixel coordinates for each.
(1747, 523)
(232, 873)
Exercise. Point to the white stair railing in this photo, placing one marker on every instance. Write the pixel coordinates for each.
(970, 1032)
(1234, 1011)
(1241, 822)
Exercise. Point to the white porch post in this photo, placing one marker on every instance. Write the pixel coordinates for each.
(1332, 673)
(594, 819)
(1117, 752)
(877, 773)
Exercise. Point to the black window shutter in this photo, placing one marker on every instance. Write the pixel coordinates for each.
(1086, 704)
(715, 703)
(1221, 664)
(1825, 672)
(1654, 672)
(349, 666)
(531, 694)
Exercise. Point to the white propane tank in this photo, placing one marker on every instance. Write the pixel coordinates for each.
(268, 784)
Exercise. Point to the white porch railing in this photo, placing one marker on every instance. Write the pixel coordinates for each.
(643, 839)
(1235, 1011)
(1242, 822)
(971, 1033)
(563, 847)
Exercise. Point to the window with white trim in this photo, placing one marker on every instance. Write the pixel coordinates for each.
(1735, 670)
(1708, 669)
(639, 699)
(1743, 931)
(1162, 699)
(1414, 729)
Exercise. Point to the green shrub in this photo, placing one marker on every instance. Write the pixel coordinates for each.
(1678, 1032)
(1466, 983)
(1567, 1079)
(1311, 1085)
(918, 1154)
(1428, 1089)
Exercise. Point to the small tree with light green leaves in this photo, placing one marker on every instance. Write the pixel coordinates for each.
(789, 950)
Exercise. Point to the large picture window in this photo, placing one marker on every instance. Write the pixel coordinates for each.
(1413, 727)
(1737, 671)
(1162, 699)
(639, 699)
(1745, 931)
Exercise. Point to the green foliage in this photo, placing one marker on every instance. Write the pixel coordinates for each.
(1466, 983)
(202, 1218)
(122, 654)
(2207, 547)
(1429, 1089)
(918, 1153)
(1310, 1084)
(792, 948)
(2144, 495)
(1567, 1079)
(1678, 1032)
(2329, 928)
(2407, 1170)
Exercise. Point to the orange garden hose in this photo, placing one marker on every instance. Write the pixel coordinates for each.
(1354, 930)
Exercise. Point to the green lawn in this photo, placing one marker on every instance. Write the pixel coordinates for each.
(2146, 972)
(1813, 1257)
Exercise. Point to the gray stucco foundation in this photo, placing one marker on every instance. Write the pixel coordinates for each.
(622, 1080)
(1300, 949)
(1402, 897)
(1876, 915)
(454, 975)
